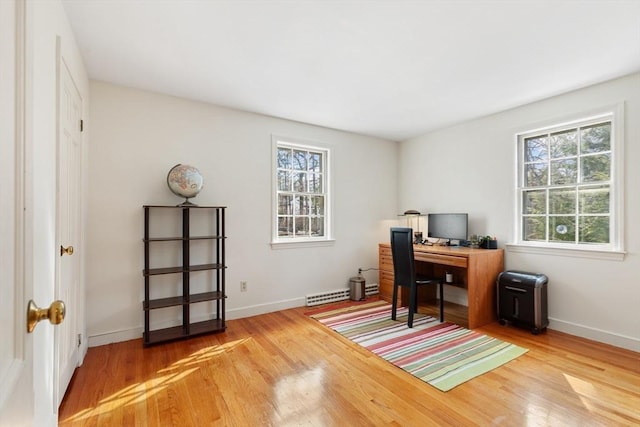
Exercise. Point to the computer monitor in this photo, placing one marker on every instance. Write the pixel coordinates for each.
(448, 226)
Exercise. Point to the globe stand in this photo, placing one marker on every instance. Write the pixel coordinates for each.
(186, 203)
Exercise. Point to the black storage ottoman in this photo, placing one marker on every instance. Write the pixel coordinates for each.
(522, 300)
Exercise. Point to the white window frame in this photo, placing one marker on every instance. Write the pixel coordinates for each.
(614, 250)
(278, 242)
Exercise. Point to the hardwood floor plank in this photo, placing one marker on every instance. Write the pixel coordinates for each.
(284, 368)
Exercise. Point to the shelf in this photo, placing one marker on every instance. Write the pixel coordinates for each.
(179, 332)
(161, 335)
(170, 270)
(211, 246)
(205, 237)
(180, 239)
(184, 207)
(205, 267)
(163, 302)
(208, 326)
(206, 296)
(176, 301)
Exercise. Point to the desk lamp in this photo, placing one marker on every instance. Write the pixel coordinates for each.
(412, 215)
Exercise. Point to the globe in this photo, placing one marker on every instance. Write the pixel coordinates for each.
(185, 181)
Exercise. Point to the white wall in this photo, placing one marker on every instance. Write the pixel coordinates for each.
(471, 168)
(138, 136)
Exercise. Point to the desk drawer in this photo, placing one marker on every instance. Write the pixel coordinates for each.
(385, 260)
(385, 251)
(385, 284)
(455, 261)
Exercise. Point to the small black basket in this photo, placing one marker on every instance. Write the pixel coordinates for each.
(489, 244)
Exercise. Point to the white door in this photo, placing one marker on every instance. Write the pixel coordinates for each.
(18, 361)
(68, 265)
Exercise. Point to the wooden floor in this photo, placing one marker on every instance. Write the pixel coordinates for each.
(285, 369)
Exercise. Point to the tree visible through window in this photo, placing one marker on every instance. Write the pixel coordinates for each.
(301, 191)
(566, 185)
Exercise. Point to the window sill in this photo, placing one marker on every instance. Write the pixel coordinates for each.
(570, 252)
(302, 244)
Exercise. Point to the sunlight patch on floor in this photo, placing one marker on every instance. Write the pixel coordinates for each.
(299, 397)
(203, 355)
(140, 392)
(541, 412)
(584, 389)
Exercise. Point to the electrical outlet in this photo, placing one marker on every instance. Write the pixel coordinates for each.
(243, 286)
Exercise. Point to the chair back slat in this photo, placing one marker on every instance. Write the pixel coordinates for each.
(402, 253)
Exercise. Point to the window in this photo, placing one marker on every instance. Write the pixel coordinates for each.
(301, 193)
(568, 190)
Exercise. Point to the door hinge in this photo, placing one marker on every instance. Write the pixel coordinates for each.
(79, 340)
(81, 125)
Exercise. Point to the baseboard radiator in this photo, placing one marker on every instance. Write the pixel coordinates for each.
(337, 295)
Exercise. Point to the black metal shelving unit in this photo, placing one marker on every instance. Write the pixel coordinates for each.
(187, 328)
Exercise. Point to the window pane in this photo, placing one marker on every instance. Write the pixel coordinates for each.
(594, 229)
(285, 226)
(299, 160)
(596, 138)
(284, 181)
(315, 183)
(535, 175)
(315, 162)
(564, 144)
(596, 168)
(594, 199)
(300, 182)
(535, 148)
(302, 205)
(284, 158)
(564, 171)
(302, 226)
(562, 201)
(562, 228)
(317, 226)
(534, 228)
(317, 205)
(285, 204)
(534, 202)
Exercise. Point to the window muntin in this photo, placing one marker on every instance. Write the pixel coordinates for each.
(566, 185)
(301, 192)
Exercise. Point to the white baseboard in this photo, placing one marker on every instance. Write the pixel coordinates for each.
(459, 296)
(594, 334)
(236, 313)
(254, 310)
(115, 336)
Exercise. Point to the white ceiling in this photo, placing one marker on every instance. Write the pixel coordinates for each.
(389, 68)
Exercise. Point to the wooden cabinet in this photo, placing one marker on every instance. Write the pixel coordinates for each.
(196, 266)
(475, 270)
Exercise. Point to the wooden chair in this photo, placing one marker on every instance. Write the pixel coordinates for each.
(404, 273)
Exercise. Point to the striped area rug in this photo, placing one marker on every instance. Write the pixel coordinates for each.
(444, 355)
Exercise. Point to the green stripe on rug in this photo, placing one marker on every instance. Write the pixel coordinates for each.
(468, 370)
(443, 355)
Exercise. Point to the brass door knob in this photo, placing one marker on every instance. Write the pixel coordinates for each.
(68, 250)
(55, 313)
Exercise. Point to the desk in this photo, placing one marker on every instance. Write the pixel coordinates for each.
(476, 270)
